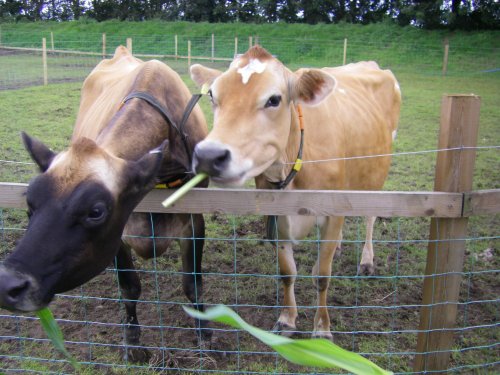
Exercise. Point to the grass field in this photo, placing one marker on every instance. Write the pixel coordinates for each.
(241, 269)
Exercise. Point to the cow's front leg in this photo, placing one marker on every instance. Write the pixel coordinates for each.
(286, 322)
(366, 266)
(192, 282)
(332, 233)
(130, 287)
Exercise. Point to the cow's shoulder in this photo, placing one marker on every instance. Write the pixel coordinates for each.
(364, 77)
(109, 72)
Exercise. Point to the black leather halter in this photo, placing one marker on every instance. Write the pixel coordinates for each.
(151, 100)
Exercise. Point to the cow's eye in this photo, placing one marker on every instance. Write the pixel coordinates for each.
(273, 101)
(97, 213)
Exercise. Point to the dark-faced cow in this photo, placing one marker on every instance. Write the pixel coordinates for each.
(348, 112)
(82, 202)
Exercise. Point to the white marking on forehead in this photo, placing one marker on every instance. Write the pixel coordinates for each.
(396, 86)
(254, 66)
(96, 167)
(104, 173)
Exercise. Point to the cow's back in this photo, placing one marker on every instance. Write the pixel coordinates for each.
(359, 118)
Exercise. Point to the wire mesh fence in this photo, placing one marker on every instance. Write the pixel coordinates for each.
(377, 316)
(72, 58)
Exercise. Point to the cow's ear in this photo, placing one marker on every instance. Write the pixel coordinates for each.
(40, 153)
(202, 75)
(142, 173)
(311, 86)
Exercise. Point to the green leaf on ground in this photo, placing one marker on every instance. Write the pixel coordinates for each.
(306, 352)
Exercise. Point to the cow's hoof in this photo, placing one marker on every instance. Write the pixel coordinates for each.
(366, 269)
(284, 329)
(322, 335)
(137, 355)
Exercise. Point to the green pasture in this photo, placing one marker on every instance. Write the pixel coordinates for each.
(392, 46)
(234, 245)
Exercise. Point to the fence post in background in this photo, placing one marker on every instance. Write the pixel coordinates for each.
(175, 46)
(0, 35)
(129, 45)
(345, 52)
(103, 45)
(446, 249)
(445, 57)
(213, 47)
(44, 62)
(250, 43)
(235, 45)
(51, 41)
(189, 53)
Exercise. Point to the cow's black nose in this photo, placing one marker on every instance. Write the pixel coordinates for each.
(13, 288)
(211, 159)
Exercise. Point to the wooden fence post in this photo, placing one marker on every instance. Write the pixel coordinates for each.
(129, 45)
(446, 249)
(235, 46)
(44, 62)
(189, 53)
(344, 60)
(445, 57)
(213, 47)
(176, 46)
(250, 42)
(103, 45)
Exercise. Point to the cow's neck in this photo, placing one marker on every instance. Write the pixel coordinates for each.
(284, 164)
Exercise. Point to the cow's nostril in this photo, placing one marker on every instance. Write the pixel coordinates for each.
(16, 291)
(221, 159)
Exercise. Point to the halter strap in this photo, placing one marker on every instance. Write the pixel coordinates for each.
(151, 100)
(298, 162)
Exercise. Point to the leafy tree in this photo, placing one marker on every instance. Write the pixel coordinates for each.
(287, 11)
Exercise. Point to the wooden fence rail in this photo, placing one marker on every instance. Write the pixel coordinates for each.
(305, 202)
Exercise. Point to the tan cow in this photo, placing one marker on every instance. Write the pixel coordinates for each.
(348, 112)
(81, 203)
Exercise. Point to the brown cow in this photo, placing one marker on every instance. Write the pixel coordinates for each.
(348, 111)
(81, 204)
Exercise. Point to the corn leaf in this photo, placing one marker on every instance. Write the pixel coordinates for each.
(307, 352)
(184, 189)
(54, 333)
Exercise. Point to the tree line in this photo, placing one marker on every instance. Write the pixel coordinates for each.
(429, 14)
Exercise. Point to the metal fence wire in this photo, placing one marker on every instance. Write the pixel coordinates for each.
(376, 316)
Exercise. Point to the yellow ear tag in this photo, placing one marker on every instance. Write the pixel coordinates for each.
(205, 88)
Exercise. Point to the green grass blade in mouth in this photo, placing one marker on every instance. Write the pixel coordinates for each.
(54, 333)
(184, 189)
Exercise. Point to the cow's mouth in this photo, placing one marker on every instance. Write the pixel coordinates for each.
(234, 181)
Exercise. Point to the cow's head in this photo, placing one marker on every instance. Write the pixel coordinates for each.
(77, 208)
(252, 104)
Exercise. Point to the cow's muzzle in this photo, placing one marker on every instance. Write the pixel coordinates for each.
(211, 158)
(18, 291)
